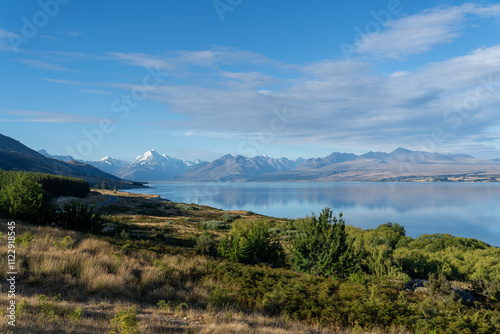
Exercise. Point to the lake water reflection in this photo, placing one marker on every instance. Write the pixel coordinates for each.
(462, 209)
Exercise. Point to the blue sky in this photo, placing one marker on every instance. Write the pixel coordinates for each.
(199, 79)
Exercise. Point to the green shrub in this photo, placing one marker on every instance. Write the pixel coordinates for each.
(229, 218)
(25, 199)
(205, 244)
(74, 315)
(215, 225)
(322, 247)
(66, 243)
(487, 289)
(252, 243)
(22, 306)
(165, 306)
(48, 306)
(25, 239)
(438, 284)
(79, 217)
(126, 321)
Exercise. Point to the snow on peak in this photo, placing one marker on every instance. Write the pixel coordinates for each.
(149, 155)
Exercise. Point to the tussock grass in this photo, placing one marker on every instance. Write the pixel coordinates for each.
(69, 282)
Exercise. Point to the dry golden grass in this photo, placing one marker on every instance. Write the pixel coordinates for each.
(97, 279)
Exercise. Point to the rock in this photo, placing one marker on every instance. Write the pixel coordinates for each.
(414, 284)
(464, 295)
(418, 285)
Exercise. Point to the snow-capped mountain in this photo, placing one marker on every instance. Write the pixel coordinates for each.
(152, 166)
(237, 168)
(109, 165)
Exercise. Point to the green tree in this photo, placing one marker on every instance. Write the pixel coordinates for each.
(252, 243)
(322, 247)
(80, 217)
(25, 199)
(438, 285)
(205, 244)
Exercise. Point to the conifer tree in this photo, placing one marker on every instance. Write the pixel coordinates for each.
(322, 247)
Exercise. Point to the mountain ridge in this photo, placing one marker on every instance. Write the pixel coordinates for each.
(16, 156)
(152, 166)
(399, 164)
(371, 166)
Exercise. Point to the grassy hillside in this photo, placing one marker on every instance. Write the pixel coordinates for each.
(14, 156)
(155, 267)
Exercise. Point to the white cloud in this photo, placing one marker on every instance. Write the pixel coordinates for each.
(6, 40)
(73, 33)
(142, 60)
(42, 65)
(419, 33)
(96, 91)
(64, 82)
(179, 60)
(330, 102)
(341, 103)
(50, 117)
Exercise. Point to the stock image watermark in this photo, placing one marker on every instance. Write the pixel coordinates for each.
(31, 26)
(380, 19)
(453, 119)
(11, 272)
(121, 107)
(249, 147)
(221, 7)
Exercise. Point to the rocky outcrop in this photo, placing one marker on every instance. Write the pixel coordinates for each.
(418, 286)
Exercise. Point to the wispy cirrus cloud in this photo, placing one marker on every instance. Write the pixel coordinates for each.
(6, 38)
(416, 34)
(42, 65)
(96, 91)
(171, 61)
(342, 102)
(329, 102)
(36, 116)
(73, 33)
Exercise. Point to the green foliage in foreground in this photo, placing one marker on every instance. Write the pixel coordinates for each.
(252, 243)
(376, 303)
(28, 196)
(54, 185)
(391, 254)
(322, 247)
(24, 198)
(79, 217)
(205, 244)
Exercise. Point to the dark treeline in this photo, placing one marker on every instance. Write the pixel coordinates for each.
(28, 196)
(55, 185)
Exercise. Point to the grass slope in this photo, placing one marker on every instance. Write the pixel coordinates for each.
(142, 275)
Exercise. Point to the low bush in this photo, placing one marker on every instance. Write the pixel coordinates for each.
(79, 217)
(252, 243)
(215, 225)
(205, 244)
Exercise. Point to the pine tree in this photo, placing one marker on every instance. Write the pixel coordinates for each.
(323, 247)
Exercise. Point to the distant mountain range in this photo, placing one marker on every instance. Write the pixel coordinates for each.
(151, 166)
(16, 156)
(237, 168)
(399, 165)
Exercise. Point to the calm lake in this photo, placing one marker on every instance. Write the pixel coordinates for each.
(469, 210)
